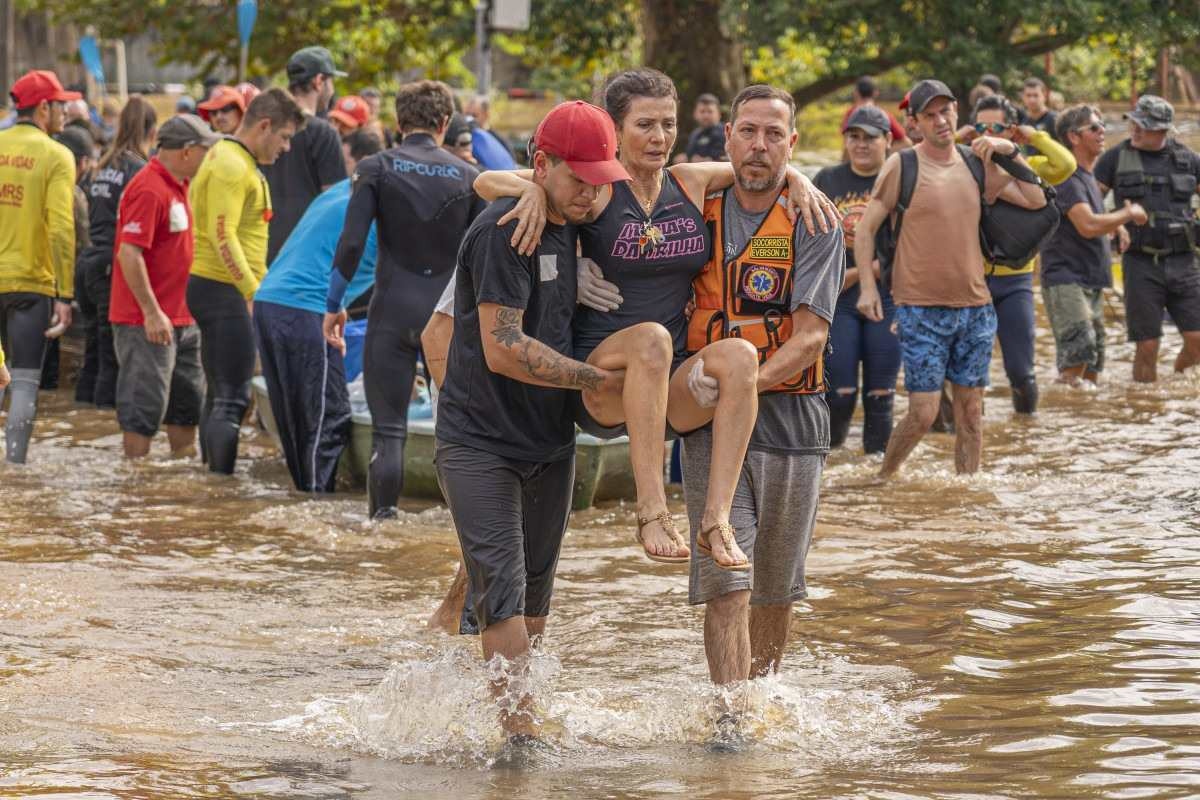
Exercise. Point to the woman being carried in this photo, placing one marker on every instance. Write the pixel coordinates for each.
(648, 237)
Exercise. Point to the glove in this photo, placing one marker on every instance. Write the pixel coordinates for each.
(594, 291)
(704, 388)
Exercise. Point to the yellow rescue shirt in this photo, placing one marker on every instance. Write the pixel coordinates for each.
(231, 204)
(1053, 164)
(37, 217)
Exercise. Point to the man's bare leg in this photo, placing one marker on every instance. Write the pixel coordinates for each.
(182, 439)
(1072, 375)
(136, 445)
(968, 424)
(510, 638)
(1145, 361)
(769, 628)
(734, 363)
(449, 613)
(644, 352)
(1189, 356)
(727, 637)
(922, 409)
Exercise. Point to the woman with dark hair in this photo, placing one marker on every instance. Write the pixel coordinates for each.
(647, 236)
(1012, 287)
(129, 152)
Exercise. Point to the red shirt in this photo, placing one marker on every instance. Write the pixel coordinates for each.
(155, 216)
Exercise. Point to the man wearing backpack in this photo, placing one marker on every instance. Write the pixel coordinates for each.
(944, 312)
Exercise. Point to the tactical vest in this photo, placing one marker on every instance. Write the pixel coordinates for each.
(748, 296)
(1172, 227)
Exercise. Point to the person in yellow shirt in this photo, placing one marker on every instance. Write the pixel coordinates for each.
(1012, 287)
(37, 243)
(231, 204)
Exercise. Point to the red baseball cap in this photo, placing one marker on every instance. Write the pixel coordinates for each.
(584, 136)
(351, 110)
(37, 85)
(221, 97)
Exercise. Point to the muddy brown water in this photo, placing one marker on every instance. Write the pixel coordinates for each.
(1033, 631)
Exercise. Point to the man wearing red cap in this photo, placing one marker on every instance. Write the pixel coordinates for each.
(349, 114)
(224, 109)
(505, 429)
(37, 242)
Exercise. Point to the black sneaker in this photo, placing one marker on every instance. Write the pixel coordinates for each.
(728, 737)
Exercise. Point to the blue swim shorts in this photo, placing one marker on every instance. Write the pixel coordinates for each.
(938, 343)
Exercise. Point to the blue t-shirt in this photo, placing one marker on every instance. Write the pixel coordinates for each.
(299, 275)
(1069, 257)
(489, 151)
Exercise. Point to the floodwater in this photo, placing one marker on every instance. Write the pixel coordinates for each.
(1033, 631)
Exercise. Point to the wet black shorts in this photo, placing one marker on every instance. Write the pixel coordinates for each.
(511, 516)
(1171, 283)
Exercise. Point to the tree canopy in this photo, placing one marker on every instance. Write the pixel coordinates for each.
(812, 47)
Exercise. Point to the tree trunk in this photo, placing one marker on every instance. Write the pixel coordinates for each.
(687, 40)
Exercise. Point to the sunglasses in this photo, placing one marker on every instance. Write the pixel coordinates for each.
(990, 127)
(229, 109)
(1095, 127)
(463, 141)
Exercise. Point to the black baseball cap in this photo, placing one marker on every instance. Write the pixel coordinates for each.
(870, 119)
(924, 93)
(309, 62)
(78, 141)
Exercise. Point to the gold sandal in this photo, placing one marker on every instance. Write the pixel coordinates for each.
(667, 522)
(728, 539)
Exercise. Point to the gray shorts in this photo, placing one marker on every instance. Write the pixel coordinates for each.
(510, 517)
(1076, 316)
(774, 512)
(157, 384)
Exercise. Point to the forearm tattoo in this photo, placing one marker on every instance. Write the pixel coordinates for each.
(540, 361)
(546, 365)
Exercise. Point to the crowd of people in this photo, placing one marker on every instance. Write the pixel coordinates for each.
(719, 297)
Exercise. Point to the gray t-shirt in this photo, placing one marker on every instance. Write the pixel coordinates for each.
(794, 423)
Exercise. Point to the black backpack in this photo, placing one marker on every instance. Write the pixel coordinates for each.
(1008, 234)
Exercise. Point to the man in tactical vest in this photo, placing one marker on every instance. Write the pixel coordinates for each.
(1161, 267)
(774, 286)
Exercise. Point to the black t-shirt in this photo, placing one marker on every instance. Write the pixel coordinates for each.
(850, 192)
(655, 281)
(477, 407)
(1069, 257)
(421, 198)
(314, 160)
(104, 198)
(708, 142)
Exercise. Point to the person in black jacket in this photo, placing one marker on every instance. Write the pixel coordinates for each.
(421, 196)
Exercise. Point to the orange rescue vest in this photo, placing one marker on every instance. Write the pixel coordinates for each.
(748, 296)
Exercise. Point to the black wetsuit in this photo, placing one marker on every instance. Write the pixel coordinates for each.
(656, 284)
(422, 198)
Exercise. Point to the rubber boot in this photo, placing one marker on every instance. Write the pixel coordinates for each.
(877, 422)
(841, 410)
(22, 409)
(1025, 396)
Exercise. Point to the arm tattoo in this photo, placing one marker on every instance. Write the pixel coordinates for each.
(555, 368)
(538, 360)
(508, 326)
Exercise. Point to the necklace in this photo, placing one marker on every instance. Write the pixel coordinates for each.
(651, 235)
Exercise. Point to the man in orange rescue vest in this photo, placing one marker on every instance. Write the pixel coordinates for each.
(774, 285)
